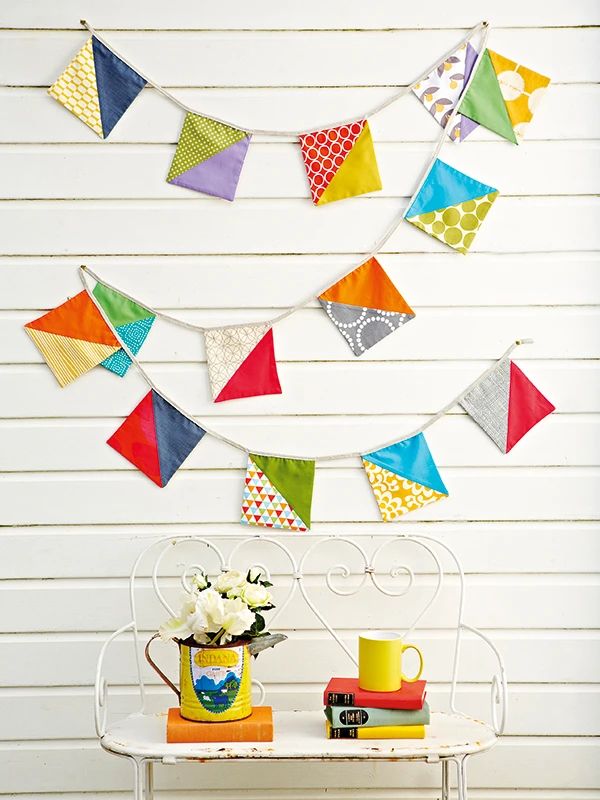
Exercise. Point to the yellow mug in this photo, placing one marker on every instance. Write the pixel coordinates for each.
(380, 661)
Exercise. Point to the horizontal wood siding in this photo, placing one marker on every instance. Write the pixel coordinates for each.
(76, 515)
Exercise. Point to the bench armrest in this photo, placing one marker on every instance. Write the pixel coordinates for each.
(499, 688)
(100, 685)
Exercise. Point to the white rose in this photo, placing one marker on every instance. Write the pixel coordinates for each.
(180, 627)
(175, 628)
(229, 581)
(256, 595)
(208, 613)
(238, 617)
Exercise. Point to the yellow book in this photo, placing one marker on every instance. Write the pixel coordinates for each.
(377, 732)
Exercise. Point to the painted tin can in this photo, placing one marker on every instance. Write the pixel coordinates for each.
(215, 682)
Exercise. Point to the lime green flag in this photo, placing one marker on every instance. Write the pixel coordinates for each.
(278, 492)
(119, 309)
(483, 101)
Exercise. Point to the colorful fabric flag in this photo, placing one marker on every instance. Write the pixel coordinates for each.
(156, 438)
(73, 338)
(503, 95)
(403, 477)
(340, 162)
(131, 321)
(278, 492)
(483, 102)
(365, 306)
(98, 87)
(506, 405)
(241, 362)
(209, 157)
(451, 206)
(441, 90)
(522, 90)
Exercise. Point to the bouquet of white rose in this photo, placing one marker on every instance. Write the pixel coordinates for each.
(224, 612)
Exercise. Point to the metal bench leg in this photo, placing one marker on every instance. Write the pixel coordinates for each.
(139, 774)
(149, 780)
(461, 776)
(445, 780)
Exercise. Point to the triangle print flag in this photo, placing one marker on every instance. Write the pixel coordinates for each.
(73, 338)
(98, 87)
(365, 306)
(451, 206)
(403, 477)
(441, 90)
(278, 492)
(241, 362)
(209, 157)
(131, 321)
(506, 405)
(340, 162)
(156, 438)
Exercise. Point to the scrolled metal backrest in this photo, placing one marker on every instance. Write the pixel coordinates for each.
(283, 558)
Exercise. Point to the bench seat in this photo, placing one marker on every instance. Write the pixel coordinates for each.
(300, 735)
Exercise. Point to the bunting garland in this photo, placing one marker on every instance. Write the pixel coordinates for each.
(157, 436)
(470, 85)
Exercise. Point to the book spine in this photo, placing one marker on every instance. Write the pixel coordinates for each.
(340, 699)
(348, 717)
(380, 732)
(342, 733)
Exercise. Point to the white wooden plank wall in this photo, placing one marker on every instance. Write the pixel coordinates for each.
(76, 515)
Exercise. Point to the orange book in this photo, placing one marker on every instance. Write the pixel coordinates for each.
(258, 727)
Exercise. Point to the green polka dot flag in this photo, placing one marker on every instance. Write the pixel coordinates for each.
(450, 206)
(209, 157)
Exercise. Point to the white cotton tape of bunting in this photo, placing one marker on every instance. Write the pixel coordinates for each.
(83, 274)
(481, 26)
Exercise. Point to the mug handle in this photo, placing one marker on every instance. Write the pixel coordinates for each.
(157, 669)
(420, 654)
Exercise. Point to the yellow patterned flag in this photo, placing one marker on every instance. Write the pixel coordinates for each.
(503, 95)
(522, 90)
(97, 86)
(73, 338)
(403, 477)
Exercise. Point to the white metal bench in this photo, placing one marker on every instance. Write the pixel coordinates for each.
(163, 566)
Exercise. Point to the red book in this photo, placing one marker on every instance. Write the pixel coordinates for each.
(258, 727)
(346, 692)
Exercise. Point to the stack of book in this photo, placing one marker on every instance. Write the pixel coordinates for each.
(354, 713)
(258, 727)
